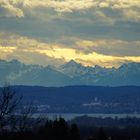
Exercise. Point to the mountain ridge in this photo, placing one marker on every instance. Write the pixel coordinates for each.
(71, 73)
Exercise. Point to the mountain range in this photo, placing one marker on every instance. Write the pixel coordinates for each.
(70, 73)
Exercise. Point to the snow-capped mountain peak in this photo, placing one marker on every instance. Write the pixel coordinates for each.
(71, 73)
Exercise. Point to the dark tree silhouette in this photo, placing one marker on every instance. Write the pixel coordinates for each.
(100, 134)
(74, 132)
(25, 121)
(8, 104)
(46, 131)
(60, 129)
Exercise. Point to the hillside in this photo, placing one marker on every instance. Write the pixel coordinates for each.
(82, 99)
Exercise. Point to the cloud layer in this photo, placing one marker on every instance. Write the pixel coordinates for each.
(18, 7)
(86, 52)
(105, 32)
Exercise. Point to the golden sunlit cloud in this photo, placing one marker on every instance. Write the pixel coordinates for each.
(17, 8)
(9, 49)
(4, 51)
(132, 15)
(30, 49)
(86, 43)
(109, 47)
(106, 61)
(9, 8)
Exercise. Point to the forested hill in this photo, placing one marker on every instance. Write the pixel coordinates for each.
(83, 99)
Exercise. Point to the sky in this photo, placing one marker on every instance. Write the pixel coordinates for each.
(52, 32)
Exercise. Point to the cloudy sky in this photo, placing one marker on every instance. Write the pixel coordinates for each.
(92, 32)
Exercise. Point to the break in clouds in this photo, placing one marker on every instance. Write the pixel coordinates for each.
(91, 32)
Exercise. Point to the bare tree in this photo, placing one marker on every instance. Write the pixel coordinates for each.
(25, 119)
(14, 114)
(8, 104)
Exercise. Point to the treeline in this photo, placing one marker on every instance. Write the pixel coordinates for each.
(51, 130)
(109, 133)
(106, 121)
(59, 129)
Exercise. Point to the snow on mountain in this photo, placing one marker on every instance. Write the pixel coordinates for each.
(72, 69)
(71, 73)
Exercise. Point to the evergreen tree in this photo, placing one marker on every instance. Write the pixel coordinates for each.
(100, 134)
(74, 132)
